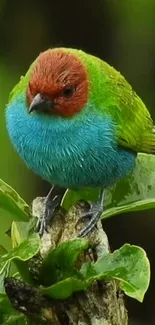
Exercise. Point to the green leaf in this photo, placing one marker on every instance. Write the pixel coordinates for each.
(134, 193)
(12, 203)
(129, 265)
(17, 275)
(3, 275)
(5, 241)
(2, 250)
(15, 235)
(59, 263)
(71, 197)
(8, 315)
(26, 250)
(20, 231)
(65, 288)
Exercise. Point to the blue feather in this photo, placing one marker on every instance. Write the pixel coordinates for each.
(69, 152)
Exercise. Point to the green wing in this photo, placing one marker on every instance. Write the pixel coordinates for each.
(135, 125)
(116, 97)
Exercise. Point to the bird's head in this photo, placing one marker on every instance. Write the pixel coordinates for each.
(58, 84)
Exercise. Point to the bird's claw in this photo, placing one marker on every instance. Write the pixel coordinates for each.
(43, 222)
(94, 208)
(51, 204)
(94, 215)
(40, 226)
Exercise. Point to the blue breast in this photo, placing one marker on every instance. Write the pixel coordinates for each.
(75, 152)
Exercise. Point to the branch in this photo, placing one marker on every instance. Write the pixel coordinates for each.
(103, 303)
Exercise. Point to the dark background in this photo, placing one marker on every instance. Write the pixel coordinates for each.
(121, 33)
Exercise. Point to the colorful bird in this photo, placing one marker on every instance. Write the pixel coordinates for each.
(77, 123)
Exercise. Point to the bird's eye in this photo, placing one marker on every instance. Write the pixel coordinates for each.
(68, 91)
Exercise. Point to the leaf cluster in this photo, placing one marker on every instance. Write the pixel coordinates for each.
(59, 276)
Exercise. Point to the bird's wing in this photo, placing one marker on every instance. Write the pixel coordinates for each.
(135, 128)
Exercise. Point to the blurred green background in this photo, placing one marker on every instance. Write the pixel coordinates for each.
(121, 33)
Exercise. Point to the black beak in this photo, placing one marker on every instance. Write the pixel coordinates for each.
(41, 103)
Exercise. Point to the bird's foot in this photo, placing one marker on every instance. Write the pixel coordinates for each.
(93, 215)
(51, 204)
(43, 223)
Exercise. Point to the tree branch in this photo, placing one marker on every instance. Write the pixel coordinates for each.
(103, 303)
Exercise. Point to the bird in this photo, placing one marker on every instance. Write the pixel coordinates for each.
(77, 123)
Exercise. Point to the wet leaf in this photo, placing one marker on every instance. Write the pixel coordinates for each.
(134, 193)
(2, 250)
(3, 275)
(16, 238)
(59, 263)
(71, 197)
(26, 250)
(129, 265)
(8, 315)
(21, 230)
(64, 289)
(12, 203)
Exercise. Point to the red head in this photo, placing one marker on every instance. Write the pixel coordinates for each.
(58, 84)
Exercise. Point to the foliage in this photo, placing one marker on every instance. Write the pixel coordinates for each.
(59, 276)
(133, 193)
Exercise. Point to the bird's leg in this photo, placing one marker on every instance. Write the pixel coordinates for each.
(52, 202)
(93, 214)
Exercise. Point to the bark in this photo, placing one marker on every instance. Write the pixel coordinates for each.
(103, 303)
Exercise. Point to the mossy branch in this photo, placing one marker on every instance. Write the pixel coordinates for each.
(102, 303)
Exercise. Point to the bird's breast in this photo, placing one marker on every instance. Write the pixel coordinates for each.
(76, 152)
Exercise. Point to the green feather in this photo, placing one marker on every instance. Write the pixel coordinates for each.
(112, 95)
